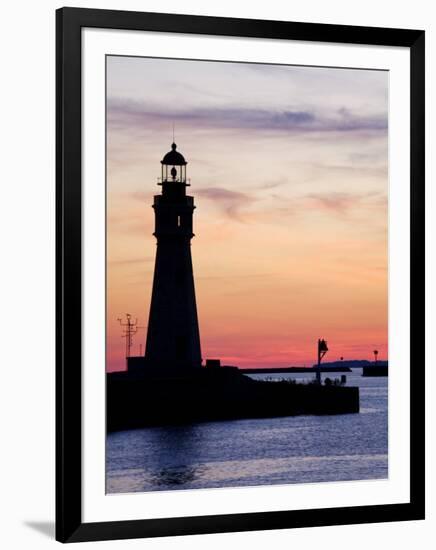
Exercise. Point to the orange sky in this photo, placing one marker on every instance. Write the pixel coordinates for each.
(288, 167)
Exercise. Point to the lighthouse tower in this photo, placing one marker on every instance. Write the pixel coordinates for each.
(173, 339)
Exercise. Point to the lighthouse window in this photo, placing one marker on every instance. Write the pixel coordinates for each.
(178, 221)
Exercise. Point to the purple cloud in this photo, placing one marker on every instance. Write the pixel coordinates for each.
(231, 202)
(342, 202)
(129, 115)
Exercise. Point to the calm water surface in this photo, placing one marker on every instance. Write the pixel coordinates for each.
(298, 449)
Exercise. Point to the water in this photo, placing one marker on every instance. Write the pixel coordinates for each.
(298, 449)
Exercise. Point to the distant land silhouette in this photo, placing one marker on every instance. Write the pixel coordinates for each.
(353, 363)
(332, 366)
(265, 370)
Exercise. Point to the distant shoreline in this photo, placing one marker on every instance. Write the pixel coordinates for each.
(293, 369)
(331, 366)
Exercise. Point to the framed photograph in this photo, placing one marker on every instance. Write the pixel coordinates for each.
(240, 274)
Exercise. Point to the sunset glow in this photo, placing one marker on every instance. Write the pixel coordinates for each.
(289, 173)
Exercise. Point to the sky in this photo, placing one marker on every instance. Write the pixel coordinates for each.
(289, 173)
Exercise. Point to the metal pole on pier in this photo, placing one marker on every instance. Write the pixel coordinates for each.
(322, 350)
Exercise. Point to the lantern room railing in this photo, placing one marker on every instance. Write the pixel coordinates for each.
(187, 182)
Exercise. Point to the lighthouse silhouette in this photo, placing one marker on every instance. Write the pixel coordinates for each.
(173, 338)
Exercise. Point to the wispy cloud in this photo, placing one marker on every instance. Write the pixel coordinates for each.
(131, 261)
(272, 184)
(231, 202)
(342, 202)
(130, 114)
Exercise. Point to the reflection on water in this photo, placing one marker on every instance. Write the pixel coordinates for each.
(300, 449)
(173, 446)
(178, 475)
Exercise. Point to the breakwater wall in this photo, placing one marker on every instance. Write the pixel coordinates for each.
(213, 395)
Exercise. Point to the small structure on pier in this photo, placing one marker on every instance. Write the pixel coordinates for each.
(322, 350)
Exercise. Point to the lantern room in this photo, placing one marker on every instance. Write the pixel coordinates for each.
(174, 166)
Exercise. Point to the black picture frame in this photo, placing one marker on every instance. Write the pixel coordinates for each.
(69, 525)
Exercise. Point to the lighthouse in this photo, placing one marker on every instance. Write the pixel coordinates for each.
(173, 339)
